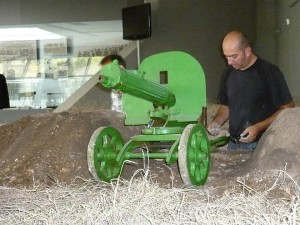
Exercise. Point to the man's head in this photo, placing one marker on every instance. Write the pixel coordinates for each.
(237, 50)
(110, 58)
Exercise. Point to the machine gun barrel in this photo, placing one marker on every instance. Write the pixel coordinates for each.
(133, 82)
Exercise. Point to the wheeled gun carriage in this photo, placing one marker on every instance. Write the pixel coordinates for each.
(167, 93)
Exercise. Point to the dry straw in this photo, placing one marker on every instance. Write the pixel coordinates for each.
(142, 201)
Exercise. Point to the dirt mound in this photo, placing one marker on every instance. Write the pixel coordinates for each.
(52, 147)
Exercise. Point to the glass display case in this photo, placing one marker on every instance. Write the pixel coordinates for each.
(47, 83)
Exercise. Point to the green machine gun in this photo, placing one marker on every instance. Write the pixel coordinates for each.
(167, 93)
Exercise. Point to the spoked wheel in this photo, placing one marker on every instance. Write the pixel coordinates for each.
(102, 151)
(194, 155)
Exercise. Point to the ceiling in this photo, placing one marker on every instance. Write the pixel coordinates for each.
(89, 33)
(86, 34)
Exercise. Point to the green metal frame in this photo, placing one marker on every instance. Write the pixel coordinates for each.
(192, 149)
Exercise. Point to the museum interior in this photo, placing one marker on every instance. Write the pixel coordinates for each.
(50, 49)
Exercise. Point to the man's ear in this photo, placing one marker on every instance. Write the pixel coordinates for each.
(248, 51)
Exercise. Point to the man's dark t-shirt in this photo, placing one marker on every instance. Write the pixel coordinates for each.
(252, 95)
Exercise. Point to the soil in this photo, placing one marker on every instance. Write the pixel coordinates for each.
(51, 148)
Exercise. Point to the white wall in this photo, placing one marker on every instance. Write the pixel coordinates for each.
(56, 11)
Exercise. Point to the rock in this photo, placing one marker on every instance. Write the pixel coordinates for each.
(279, 147)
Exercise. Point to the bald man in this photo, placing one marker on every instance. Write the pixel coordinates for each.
(252, 93)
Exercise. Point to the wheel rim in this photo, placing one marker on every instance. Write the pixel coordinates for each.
(194, 155)
(102, 152)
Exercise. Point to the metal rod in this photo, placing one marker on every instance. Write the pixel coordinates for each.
(218, 142)
(149, 155)
(138, 52)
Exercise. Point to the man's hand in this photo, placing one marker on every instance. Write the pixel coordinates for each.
(214, 128)
(249, 134)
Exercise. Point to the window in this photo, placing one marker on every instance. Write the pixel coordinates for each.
(43, 71)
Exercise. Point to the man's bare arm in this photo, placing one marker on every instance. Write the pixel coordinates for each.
(220, 118)
(253, 131)
(222, 115)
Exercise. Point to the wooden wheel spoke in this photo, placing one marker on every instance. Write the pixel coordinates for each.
(103, 149)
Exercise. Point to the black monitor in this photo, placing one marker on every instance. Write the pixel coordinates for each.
(136, 21)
